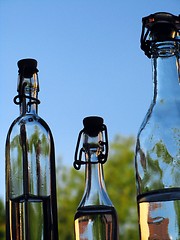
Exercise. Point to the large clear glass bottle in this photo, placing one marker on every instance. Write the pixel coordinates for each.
(157, 157)
(31, 205)
(96, 216)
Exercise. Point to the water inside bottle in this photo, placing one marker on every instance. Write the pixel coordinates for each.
(97, 223)
(159, 215)
(29, 218)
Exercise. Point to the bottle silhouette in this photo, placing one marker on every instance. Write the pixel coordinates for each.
(157, 157)
(31, 207)
(96, 216)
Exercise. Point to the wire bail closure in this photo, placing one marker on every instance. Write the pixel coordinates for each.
(102, 157)
(159, 22)
(21, 96)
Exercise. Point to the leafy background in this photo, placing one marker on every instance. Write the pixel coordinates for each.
(120, 183)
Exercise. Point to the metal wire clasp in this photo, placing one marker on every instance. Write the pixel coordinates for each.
(148, 23)
(19, 98)
(102, 156)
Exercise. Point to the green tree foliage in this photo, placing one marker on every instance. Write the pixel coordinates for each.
(2, 220)
(120, 183)
(70, 187)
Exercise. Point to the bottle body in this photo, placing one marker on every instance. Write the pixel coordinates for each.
(157, 157)
(29, 156)
(96, 217)
(157, 166)
(157, 161)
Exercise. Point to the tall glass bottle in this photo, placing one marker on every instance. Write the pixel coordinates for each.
(157, 157)
(96, 216)
(31, 207)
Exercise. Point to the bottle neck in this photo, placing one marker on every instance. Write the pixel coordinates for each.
(166, 70)
(28, 94)
(95, 191)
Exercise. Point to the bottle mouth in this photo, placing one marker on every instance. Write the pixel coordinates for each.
(95, 138)
(165, 49)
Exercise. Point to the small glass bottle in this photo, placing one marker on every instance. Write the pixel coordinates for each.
(96, 216)
(157, 157)
(31, 205)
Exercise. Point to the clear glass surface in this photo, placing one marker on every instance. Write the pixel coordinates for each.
(31, 207)
(96, 217)
(160, 215)
(31, 214)
(158, 142)
(157, 157)
(96, 222)
(29, 157)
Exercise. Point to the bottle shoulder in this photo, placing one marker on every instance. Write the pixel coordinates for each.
(161, 117)
(29, 119)
(95, 192)
(32, 123)
(95, 198)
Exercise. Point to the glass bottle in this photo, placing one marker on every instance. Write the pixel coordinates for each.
(157, 157)
(96, 216)
(31, 205)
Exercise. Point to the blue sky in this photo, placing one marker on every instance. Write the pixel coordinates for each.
(89, 62)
